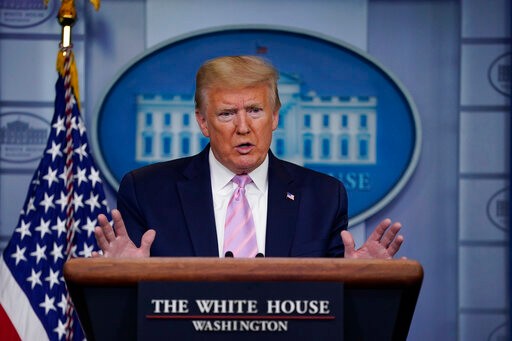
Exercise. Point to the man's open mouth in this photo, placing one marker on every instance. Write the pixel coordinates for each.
(245, 145)
(244, 148)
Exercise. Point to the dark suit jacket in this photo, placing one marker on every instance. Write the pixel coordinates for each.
(175, 199)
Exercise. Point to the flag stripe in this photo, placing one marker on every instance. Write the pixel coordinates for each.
(19, 318)
(8, 331)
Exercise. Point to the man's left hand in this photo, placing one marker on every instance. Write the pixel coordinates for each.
(383, 243)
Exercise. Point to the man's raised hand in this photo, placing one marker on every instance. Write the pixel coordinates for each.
(383, 243)
(115, 242)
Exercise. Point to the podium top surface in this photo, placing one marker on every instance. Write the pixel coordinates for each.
(360, 272)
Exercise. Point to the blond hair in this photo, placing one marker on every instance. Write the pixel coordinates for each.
(234, 72)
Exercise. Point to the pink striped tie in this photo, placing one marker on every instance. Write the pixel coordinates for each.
(239, 229)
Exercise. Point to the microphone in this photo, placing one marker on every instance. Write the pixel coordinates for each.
(260, 255)
(228, 254)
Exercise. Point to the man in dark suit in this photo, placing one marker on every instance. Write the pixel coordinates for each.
(182, 207)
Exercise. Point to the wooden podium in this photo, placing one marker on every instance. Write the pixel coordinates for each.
(379, 295)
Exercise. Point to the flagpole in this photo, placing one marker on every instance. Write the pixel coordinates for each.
(67, 18)
(68, 171)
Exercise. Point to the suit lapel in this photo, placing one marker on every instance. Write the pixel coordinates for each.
(283, 205)
(197, 202)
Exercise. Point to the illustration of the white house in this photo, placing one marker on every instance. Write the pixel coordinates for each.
(312, 129)
(21, 133)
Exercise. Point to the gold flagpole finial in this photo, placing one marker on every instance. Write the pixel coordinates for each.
(67, 18)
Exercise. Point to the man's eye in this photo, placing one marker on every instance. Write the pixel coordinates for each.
(255, 112)
(225, 115)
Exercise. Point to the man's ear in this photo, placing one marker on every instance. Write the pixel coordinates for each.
(275, 120)
(203, 124)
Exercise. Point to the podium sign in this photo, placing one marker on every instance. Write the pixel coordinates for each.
(240, 311)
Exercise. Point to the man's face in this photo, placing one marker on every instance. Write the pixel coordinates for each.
(239, 124)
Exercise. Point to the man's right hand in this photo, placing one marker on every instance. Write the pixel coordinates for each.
(118, 244)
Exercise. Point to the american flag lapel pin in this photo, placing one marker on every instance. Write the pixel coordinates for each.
(290, 196)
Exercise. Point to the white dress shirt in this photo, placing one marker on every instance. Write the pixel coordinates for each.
(256, 192)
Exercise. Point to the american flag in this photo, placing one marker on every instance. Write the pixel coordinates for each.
(56, 223)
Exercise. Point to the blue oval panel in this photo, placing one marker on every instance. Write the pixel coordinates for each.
(341, 114)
